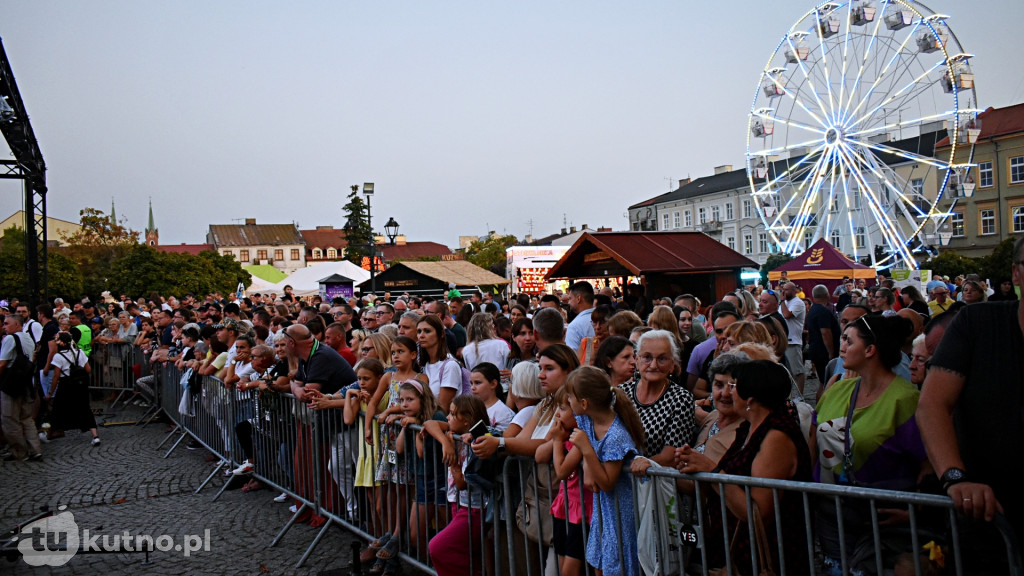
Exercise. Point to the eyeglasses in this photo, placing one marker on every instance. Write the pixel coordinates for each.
(380, 312)
(864, 320)
(366, 349)
(661, 360)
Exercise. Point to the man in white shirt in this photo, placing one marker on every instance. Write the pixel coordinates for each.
(794, 311)
(581, 300)
(16, 409)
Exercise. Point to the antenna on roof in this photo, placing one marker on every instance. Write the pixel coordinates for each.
(670, 181)
(530, 224)
(238, 219)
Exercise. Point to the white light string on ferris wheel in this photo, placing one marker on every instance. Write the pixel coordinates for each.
(810, 83)
(913, 122)
(878, 147)
(766, 188)
(883, 179)
(793, 97)
(892, 98)
(885, 225)
(846, 53)
(794, 231)
(766, 116)
(824, 61)
(878, 78)
(774, 151)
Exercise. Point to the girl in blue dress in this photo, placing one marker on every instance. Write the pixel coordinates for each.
(608, 435)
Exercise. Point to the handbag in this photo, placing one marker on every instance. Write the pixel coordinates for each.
(533, 517)
(764, 548)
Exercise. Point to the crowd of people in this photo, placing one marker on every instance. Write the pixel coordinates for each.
(600, 387)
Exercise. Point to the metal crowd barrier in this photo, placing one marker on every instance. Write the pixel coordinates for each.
(113, 368)
(315, 458)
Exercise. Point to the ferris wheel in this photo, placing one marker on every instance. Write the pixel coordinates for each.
(863, 119)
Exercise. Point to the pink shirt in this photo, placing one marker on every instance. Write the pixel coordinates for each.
(574, 486)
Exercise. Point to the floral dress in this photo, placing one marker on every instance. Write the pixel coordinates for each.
(393, 467)
(612, 545)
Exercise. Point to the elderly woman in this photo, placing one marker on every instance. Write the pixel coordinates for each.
(617, 357)
(867, 434)
(666, 408)
(972, 292)
(718, 428)
(768, 444)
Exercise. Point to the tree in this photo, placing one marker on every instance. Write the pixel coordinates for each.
(998, 265)
(144, 270)
(358, 232)
(62, 272)
(96, 246)
(773, 262)
(952, 264)
(490, 253)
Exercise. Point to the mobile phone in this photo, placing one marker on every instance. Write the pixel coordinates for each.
(479, 429)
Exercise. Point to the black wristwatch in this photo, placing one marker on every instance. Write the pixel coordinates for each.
(952, 476)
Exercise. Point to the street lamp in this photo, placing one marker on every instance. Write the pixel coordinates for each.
(391, 229)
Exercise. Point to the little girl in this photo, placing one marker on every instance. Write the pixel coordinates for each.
(485, 382)
(357, 399)
(567, 513)
(392, 468)
(419, 407)
(448, 551)
(608, 434)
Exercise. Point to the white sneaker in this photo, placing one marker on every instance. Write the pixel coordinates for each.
(96, 441)
(43, 438)
(245, 468)
(282, 498)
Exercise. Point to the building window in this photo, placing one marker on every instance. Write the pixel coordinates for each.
(1017, 170)
(835, 205)
(956, 223)
(261, 254)
(295, 253)
(731, 242)
(748, 243)
(855, 198)
(729, 215)
(860, 238)
(317, 253)
(716, 213)
(808, 239)
(228, 253)
(1017, 213)
(837, 239)
(675, 220)
(636, 226)
(688, 218)
(664, 221)
(917, 187)
(702, 216)
(332, 253)
(243, 255)
(762, 242)
(278, 254)
(747, 211)
(985, 176)
(988, 221)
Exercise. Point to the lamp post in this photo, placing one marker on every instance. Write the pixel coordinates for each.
(391, 229)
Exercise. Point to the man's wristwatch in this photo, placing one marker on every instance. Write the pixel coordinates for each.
(952, 476)
(501, 444)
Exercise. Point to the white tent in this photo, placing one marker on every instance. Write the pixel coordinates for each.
(259, 285)
(305, 281)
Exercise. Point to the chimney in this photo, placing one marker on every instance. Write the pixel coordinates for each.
(683, 182)
(250, 221)
(325, 227)
(572, 230)
(564, 232)
(723, 169)
(528, 239)
(584, 227)
(604, 229)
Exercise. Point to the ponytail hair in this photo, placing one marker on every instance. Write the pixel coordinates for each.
(592, 384)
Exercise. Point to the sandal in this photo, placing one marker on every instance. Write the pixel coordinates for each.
(388, 551)
(378, 566)
(393, 568)
(369, 553)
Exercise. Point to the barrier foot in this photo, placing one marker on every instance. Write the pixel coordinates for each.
(319, 535)
(183, 436)
(216, 471)
(174, 428)
(148, 418)
(118, 399)
(288, 525)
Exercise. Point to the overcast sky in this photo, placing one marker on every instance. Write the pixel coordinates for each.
(468, 117)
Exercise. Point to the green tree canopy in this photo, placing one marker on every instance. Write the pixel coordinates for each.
(96, 246)
(998, 265)
(144, 270)
(63, 274)
(952, 264)
(358, 232)
(490, 253)
(773, 262)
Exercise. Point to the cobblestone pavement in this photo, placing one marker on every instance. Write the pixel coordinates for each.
(126, 484)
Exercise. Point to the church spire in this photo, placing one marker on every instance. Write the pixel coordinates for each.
(113, 214)
(152, 234)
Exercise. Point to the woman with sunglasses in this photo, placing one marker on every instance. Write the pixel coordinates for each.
(867, 434)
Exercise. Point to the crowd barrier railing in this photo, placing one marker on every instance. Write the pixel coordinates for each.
(113, 368)
(335, 477)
